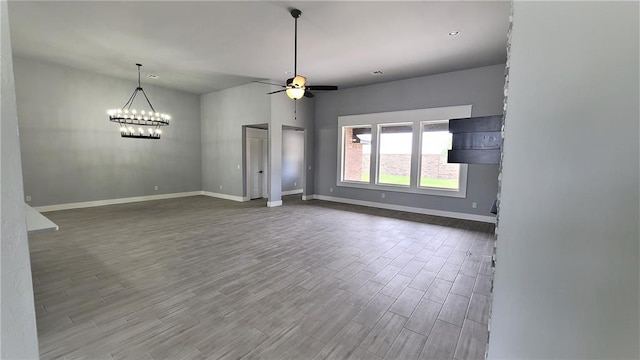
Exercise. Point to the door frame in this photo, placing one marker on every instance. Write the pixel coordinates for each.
(247, 159)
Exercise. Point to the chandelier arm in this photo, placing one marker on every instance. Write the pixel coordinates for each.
(130, 101)
(149, 102)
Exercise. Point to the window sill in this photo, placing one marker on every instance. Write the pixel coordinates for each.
(462, 193)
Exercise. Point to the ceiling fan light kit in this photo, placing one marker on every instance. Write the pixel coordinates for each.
(296, 87)
(295, 93)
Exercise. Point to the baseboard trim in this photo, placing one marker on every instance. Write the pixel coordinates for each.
(274, 203)
(308, 197)
(223, 196)
(86, 204)
(449, 214)
(292, 192)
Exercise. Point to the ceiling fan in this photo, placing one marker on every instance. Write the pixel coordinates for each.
(296, 87)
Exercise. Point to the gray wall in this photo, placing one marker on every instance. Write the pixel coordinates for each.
(566, 281)
(286, 112)
(72, 153)
(18, 337)
(292, 160)
(223, 115)
(480, 87)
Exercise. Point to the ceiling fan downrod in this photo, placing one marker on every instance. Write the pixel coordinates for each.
(296, 14)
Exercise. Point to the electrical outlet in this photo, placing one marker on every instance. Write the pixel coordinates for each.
(309, 167)
(220, 187)
(238, 166)
(474, 205)
(383, 195)
(330, 189)
(155, 188)
(295, 184)
(28, 197)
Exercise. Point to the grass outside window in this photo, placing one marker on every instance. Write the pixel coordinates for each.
(404, 180)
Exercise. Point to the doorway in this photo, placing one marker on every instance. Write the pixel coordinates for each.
(293, 161)
(257, 161)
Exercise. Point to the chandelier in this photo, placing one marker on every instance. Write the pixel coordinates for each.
(139, 124)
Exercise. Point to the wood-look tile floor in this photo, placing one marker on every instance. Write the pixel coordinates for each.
(204, 278)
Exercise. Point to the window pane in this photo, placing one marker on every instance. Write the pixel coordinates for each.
(435, 172)
(394, 162)
(357, 153)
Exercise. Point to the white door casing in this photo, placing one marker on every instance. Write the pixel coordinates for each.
(257, 163)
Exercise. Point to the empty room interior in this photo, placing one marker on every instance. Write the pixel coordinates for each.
(320, 180)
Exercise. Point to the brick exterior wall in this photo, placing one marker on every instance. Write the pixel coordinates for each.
(433, 166)
(436, 167)
(352, 157)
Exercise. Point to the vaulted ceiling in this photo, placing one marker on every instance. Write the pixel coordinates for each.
(205, 46)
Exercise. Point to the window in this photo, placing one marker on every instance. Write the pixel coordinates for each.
(394, 154)
(356, 153)
(435, 172)
(403, 151)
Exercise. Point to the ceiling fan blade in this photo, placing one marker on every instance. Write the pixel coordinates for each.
(277, 91)
(322, 87)
(268, 83)
(308, 94)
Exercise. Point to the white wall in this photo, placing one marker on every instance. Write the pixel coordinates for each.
(566, 282)
(18, 337)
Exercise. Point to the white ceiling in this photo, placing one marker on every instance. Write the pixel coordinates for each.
(211, 45)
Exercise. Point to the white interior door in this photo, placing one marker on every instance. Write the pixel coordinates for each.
(256, 170)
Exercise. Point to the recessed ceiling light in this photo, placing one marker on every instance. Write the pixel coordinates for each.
(153, 76)
(454, 33)
(377, 73)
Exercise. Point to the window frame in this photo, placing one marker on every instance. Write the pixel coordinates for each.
(377, 155)
(415, 117)
(341, 154)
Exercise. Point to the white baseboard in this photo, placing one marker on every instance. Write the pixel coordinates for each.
(292, 192)
(308, 197)
(86, 204)
(274, 203)
(449, 214)
(224, 196)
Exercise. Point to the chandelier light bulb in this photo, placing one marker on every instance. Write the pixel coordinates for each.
(126, 111)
